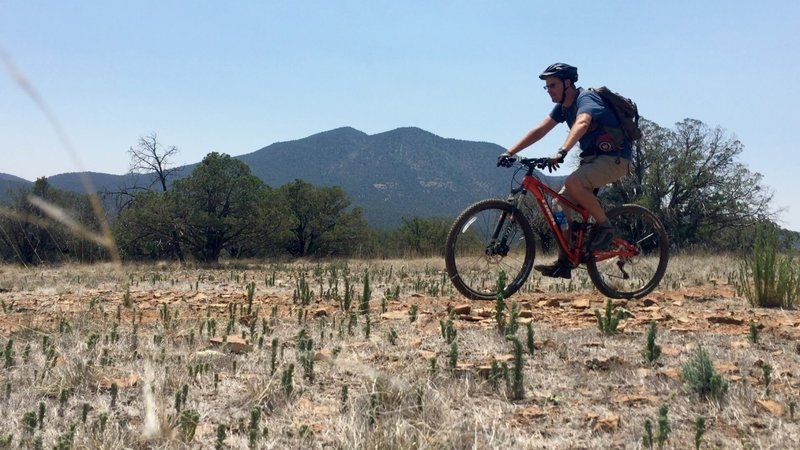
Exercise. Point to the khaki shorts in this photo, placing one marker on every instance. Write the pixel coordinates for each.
(598, 171)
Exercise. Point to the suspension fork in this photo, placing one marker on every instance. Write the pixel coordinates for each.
(502, 231)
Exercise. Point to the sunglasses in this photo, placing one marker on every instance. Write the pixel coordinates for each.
(550, 87)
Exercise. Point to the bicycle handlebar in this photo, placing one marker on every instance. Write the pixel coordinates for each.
(531, 163)
(537, 163)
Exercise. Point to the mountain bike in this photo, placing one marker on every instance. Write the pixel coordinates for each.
(496, 235)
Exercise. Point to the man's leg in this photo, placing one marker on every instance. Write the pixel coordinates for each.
(595, 173)
(585, 197)
(561, 268)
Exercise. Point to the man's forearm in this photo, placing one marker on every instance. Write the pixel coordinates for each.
(533, 136)
(577, 131)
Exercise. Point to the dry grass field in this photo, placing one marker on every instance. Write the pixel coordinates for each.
(163, 356)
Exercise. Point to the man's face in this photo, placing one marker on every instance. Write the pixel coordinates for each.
(555, 88)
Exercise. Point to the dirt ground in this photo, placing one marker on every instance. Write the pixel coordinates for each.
(373, 386)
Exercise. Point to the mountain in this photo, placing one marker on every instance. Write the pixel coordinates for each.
(10, 184)
(401, 173)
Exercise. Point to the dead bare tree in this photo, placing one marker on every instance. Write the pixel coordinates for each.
(150, 156)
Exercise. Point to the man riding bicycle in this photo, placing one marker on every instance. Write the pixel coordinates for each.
(605, 152)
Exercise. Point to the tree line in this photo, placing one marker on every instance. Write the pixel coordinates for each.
(688, 175)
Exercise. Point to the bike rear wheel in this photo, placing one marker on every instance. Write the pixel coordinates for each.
(489, 237)
(639, 271)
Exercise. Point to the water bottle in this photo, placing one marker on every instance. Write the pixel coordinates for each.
(561, 219)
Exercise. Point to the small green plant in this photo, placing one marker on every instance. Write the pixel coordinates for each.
(753, 335)
(349, 293)
(127, 300)
(366, 295)
(274, 356)
(114, 392)
(254, 433)
(766, 278)
(351, 323)
(42, 410)
(449, 332)
(84, 412)
(500, 303)
(792, 407)
(219, 444)
(392, 336)
(432, 369)
(419, 394)
(518, 388)
(647, 437)
(529, 341)
(664, 428)
(8, 354)
(609, 322)
(699, 372)
(189, 420)
(766, 371)
(652, 351)
(287, 380)
(302, 294)
(165, 315)
(699, 431)
(251, 290)
(29, 422)
(513, 320)
(453, 357)
(64, 441)
(374, 402)
(367, 327)
(63, 396)
(305, 348)
(412, 314)
(344, 396)
(494, 375)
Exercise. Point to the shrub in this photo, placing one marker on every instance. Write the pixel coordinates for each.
(699, 431)
(699, 372)
(189, 419)
(652, 351)
(766, 278)
(608, 324)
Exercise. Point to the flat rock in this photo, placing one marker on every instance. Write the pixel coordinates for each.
(233, 344)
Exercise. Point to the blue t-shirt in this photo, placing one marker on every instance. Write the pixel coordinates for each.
(605, 136)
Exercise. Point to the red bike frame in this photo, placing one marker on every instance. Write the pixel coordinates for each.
(574, 252)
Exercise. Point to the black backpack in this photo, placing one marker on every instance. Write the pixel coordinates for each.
(625, 109)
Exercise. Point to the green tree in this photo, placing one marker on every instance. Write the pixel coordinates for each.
(690, 177)
(321, 223)
(30, 235)
(424, 236)
(220, 205)
(147, 227)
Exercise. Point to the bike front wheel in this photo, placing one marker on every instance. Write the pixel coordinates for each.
(638, 259)
(489, 237)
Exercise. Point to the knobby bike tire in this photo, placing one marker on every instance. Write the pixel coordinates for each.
(472, 265)
(636, 224)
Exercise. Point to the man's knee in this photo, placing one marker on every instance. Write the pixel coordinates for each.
(574, 184)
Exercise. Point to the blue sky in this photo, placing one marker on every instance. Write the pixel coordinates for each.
(236, 76)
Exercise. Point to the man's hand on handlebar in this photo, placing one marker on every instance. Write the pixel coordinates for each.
(556, 159)
(506, 160)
